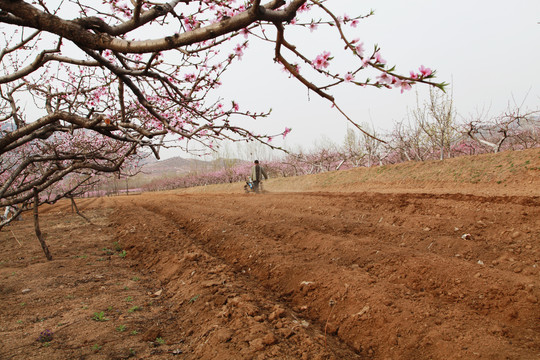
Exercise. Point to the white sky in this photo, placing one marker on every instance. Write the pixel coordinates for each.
(488, 50)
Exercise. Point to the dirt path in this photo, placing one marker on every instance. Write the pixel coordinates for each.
(358, 275)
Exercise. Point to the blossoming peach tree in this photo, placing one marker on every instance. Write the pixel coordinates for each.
(88, 86)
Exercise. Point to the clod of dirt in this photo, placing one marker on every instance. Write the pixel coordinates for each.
(278, 313)
(269, 339)
(223, 335)
(152, 333)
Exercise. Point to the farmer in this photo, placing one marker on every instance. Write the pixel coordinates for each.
(257, 172)
(10, 210)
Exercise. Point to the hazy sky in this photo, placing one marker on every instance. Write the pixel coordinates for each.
(488, 50)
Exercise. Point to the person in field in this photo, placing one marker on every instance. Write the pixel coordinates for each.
(9, 212)
(257, 173)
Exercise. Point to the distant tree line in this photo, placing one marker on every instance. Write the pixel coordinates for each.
(432, 131)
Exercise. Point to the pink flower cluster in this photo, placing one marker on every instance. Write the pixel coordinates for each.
(424, 72)
(322, 61)
(390, 80)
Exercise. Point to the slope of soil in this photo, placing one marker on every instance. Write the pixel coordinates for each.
(434, 269)
(507, 173)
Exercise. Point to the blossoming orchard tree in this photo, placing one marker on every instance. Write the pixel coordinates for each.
(87, 86)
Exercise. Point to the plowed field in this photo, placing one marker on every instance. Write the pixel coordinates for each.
(408, 271)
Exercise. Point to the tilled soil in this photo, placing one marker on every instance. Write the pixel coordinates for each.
(346, 275)
(316, 275)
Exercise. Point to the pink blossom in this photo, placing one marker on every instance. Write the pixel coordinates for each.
(360, 49)
(365, 61)
(405, 86)
(303, 8)
(355, 23)
(348, 77)
(235, 106)
(425, 71)
(384, 78)
(413, 75)
(238, 50)
(378, 58)
(312, 27)
(245, 32)
(286, 132)
(188, 24)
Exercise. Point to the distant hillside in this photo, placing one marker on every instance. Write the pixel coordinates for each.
(175, 165)
(178, 166)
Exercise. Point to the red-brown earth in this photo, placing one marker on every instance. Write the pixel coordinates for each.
(431, 260)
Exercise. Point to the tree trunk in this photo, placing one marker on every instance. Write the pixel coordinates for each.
(36, 227)
(74, 206)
